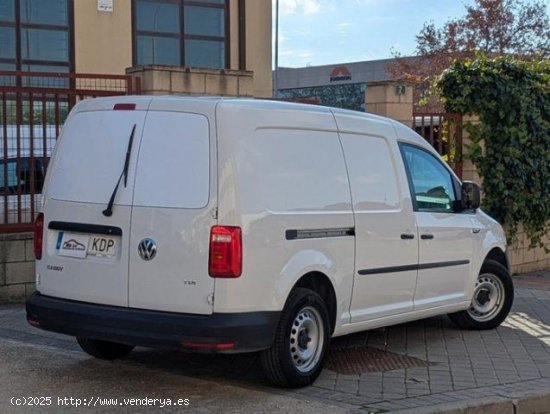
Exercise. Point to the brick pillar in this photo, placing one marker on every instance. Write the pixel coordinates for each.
(390, 99)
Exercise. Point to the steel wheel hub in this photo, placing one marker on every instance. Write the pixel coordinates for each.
(488, 298)
(306, 339)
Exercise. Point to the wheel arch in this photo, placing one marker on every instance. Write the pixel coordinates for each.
(498, 256)
(321, 284)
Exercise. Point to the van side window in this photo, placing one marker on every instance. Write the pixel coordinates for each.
(431, 183)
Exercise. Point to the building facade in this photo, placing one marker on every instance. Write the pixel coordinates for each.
(342, 85)
(223, 39)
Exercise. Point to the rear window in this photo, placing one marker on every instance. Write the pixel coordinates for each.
(171, 151)
(174, 161)
(91, 155)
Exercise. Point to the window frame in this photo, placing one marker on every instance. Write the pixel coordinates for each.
(18, 26)
(182, 36)
(455, 204)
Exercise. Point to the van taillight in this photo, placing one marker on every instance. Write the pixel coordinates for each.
(38, 233)
(226, 254)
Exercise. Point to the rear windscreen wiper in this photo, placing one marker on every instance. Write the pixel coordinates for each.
(109, 210)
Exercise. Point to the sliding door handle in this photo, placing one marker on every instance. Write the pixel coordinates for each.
(427, 236)
(407, 236)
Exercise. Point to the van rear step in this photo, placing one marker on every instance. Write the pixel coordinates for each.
(218, 332)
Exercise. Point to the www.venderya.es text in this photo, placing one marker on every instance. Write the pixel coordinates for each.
(95, 401)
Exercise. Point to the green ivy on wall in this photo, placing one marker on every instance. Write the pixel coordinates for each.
(511, 145)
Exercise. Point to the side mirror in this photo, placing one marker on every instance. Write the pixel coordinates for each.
(470, 196)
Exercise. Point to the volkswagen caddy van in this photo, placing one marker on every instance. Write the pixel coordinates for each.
(229, 225)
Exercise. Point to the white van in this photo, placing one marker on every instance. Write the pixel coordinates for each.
(228, 225)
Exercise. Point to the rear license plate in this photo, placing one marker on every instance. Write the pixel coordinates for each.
(102, 246)
(80, 245)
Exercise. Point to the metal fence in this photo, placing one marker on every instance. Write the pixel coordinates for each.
(444, 132)
(33, 107)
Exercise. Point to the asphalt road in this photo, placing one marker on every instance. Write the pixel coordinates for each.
(31, 373)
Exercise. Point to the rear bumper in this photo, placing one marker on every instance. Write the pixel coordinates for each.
(219, 332)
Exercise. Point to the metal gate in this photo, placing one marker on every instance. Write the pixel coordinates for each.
(444, 132)
(33, 107)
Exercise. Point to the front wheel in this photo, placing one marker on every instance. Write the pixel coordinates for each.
(492, 299)
(104, 349)
(296, 356)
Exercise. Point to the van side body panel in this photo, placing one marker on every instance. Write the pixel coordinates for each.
(383, 214)
(283, 180)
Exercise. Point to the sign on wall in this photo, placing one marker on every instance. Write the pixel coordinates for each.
(340, 73)
(105, 5)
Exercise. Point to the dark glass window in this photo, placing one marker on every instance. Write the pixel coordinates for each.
(158, 17)
(40, 44)
(158, 50)
(204, 53)
(204, 21)
(44, 12)
(7, 42)
(7, 10)
(44, 29)
(190, 33)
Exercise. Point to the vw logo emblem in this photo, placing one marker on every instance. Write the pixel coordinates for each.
(147, 249)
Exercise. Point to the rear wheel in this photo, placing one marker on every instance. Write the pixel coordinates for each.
(104, 349)
(492, 299)
(296, 356)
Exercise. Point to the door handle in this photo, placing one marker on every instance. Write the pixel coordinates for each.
(427, 236)
(476, 230)
(407, 236)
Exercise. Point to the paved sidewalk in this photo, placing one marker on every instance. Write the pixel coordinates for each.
(424, 366)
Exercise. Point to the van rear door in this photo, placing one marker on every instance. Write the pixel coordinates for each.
(85, 253)
(173, 212)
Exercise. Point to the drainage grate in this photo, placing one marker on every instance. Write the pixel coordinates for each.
(364, 359)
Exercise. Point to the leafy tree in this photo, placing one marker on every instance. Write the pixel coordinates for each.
(491, 27)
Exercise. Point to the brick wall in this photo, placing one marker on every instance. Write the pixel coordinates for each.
(168, 80)
(523, 259)
(16, 267)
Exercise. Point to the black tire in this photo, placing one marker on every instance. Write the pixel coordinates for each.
(302, 307)
(104, 349)
(491, 272)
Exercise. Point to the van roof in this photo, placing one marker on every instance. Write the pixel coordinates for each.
(144, 102)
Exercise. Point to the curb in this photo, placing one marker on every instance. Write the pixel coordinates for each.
(521, 403)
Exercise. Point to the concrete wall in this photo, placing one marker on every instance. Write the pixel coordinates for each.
(16, 267)
(258, 46)
(103, 44)
(103, 40)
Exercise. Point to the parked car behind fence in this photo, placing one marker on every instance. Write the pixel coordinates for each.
(24, 157)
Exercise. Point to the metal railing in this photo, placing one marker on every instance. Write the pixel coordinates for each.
(33, 107)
